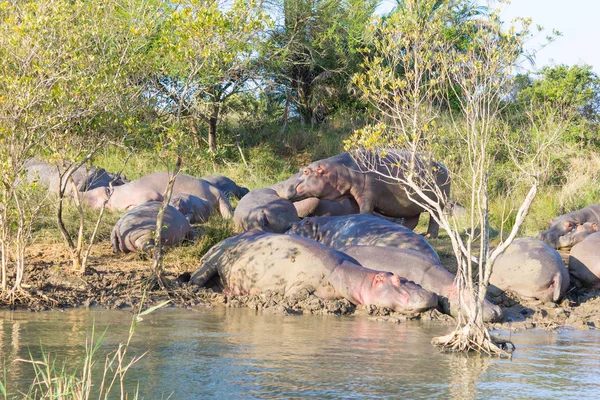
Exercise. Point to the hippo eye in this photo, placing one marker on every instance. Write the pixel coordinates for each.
(306, 171)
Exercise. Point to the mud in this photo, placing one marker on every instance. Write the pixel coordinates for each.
(114, 281)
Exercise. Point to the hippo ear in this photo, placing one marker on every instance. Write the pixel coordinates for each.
(566, 224)
(320, 170)
(382, 277)
(594, 226)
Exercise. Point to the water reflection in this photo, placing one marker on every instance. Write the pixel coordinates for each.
(236, 353)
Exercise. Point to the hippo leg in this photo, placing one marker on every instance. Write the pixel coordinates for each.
(412, 222)
(204, 274)
(225, 208)
(433, 229)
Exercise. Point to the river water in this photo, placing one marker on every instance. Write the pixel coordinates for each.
(237, 353)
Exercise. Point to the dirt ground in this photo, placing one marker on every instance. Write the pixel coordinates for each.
(117, 281)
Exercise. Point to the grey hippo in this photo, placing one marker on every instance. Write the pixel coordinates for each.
(263, 209)
(365, 181)
(361, 230)
(85, 177)
(194, 208)
(584, 262)
(566, 223)
(420, 269)
(530, 268)
(226, 185)
(256, 261)
(134, 231)
(151, 188)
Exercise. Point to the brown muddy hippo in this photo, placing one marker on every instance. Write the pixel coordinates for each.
(257, 261)
(420, 269)
(226, 185)
(263, 209)
(366, 182)
(584, 262)
(195, 209)
(577, 235)
(151, 188)
(134, 231)
(566, 223)
(530, 268)
(85, 177)
(361, 230)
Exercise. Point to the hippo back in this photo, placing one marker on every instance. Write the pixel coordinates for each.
(263, 209)
(134, 231)
(530, 268)
(226, 185)
(290, 264)
(584, 262)
(362, 230)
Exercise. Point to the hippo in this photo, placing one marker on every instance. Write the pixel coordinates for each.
(361, 229)
(256, 261)
(151, 188)
(342, 176)
(194, 208)
(226, 185)
(530, 268)
(577, 235)
(134, 231)
(584, 262)
(85, 178)
(420, 269)
(263, 209)
(566, 223)
(314, 207)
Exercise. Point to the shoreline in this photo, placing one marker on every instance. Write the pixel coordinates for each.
(114, 281)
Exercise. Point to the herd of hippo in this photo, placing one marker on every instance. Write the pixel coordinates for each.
(333, 229)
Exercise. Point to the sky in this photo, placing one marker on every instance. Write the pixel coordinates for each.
(577, 20)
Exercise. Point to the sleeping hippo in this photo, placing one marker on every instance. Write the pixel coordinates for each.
(577, 235)
(195, 209)
(361, 230)
(151, 188)
(314, 207)
(530, 268)
(421, 269)
(134, 231)
(263, 209)
(566, 223)
(256, 261)
(226, 185)
(584, 262)
(85, 178)
(366, 182)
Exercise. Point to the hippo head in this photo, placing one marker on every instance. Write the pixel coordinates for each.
(307, 228)
(557, 229)
(96, 197)
(390, 291)
(577, 235)
(243, 191)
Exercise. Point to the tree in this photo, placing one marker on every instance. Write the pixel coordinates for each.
(77, 60)
(566, 88)
(314, 50)
(205, 54)
(413, 64)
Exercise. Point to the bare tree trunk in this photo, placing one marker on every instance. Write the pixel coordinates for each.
(157, 267)
(212, 129)
(286, 115)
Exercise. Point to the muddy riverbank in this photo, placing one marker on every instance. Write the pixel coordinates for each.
(115, 281)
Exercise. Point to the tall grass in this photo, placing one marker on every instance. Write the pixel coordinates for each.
(63, 380)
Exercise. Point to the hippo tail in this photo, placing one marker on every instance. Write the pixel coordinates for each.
(559, 284)
(114, 239)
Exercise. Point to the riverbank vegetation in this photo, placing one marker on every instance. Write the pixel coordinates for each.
(254, 90)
